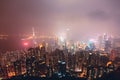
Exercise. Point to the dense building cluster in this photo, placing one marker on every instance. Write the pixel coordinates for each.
(58, 63)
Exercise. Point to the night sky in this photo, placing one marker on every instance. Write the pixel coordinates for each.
(82, 17)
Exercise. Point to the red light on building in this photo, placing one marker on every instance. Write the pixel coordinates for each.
(26, 44)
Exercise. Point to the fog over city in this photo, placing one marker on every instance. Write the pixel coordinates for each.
(92, 16)
(83, 18)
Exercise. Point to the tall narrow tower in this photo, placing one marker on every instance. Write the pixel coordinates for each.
(33, 32)
(34, 37)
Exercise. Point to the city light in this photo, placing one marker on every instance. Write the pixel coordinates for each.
(25, 43)
(78, 70)
(92, 41)
(62, 39)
